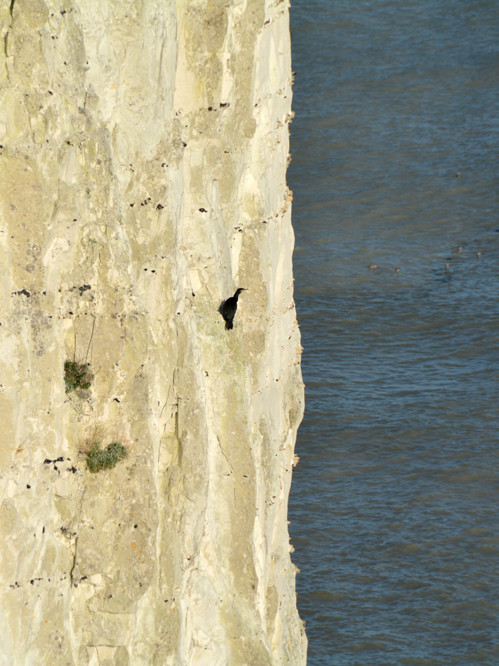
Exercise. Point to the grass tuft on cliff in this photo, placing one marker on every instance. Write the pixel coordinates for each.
(99, 459)
(77, 376)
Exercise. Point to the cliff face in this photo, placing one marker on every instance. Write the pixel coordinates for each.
(142, 179)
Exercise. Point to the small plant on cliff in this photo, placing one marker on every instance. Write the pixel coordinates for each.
(98, 459)
(77, 376)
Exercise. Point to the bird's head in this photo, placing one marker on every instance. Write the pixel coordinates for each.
(239, 291)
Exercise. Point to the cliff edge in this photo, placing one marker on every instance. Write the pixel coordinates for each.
(143, 162)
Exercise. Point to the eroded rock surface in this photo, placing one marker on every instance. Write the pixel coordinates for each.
(142, 179)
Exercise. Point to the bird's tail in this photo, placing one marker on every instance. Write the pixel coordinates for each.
(229, 324)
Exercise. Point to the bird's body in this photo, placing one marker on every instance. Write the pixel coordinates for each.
(228, 308)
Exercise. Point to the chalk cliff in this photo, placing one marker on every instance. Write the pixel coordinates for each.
(143, 158)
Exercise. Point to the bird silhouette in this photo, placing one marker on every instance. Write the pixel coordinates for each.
(228, 308)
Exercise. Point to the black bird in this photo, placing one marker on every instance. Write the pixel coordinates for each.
(228, 308)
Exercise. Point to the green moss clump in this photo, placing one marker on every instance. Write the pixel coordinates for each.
(77, 376)
(107, 458)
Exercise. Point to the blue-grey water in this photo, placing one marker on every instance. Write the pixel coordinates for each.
(394, 504)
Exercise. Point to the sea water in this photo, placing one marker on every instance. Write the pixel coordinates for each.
(395, 172)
